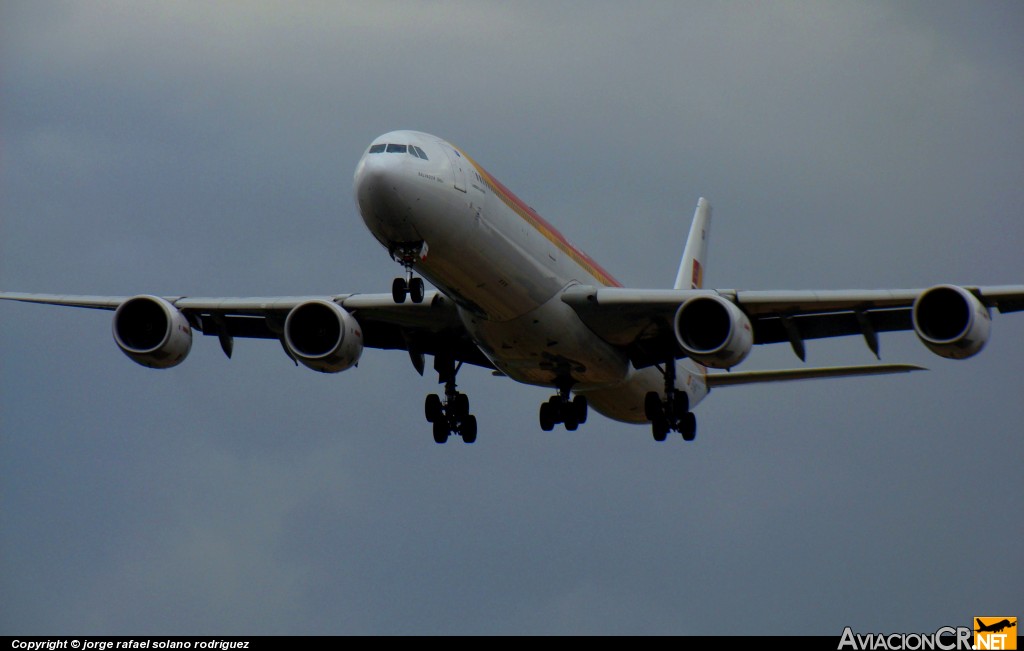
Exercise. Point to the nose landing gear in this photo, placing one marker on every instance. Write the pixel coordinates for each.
(409, 285)
(407, 255)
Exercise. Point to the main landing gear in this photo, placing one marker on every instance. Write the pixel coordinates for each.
(560, 409)
(408, 285)
(672, 414)
(452, 415)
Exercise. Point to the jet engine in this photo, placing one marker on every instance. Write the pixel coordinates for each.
(951, 321)
(713, 331)
(323, 336)
(152, 332)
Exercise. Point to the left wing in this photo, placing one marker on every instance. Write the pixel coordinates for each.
(152, 330)
(717, 327)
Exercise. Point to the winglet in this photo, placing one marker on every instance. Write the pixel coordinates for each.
(695, 255)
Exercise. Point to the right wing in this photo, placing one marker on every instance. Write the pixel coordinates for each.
(646, 322)
(432, 327)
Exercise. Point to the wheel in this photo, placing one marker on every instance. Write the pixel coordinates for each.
(689, 426)
(468, 429)
(398, 290)
(681, 402)
(460, 404)
(440, 431)
(416, 290)
(579, 406)
(432, 408)
(547, 416)
(570, 421)
(652, 406)
(659, 428)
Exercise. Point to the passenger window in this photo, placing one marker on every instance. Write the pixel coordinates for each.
(376, 149)
(396, 149)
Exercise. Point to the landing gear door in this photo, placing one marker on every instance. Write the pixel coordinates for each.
(458, 167)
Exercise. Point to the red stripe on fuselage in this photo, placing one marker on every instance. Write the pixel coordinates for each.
(543, 227)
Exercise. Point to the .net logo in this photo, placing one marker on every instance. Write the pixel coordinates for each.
(995, 633)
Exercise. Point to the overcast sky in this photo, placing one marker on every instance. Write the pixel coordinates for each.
(208, 149)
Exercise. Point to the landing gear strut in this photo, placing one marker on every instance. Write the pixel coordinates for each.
(452, 415)
(673, 413)
(560, 409)
(408, 285)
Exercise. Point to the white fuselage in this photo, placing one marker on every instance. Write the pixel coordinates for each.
(505, 267)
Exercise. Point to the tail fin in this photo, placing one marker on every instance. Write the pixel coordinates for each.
(695, 255)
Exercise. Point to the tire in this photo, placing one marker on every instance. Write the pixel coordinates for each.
(468, 430)
(579, 406)
(417, 290)
(652, 406)
(461, 405)
(547, 417)
(440, 432)
(398, 290)
(682, 402)
(432, 408)
(659, 428)
(689, 426)
(571, 423)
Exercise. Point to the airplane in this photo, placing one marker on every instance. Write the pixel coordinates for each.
(995, 627)
(513, 295)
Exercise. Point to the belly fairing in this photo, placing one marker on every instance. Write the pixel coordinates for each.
(547, 345)
(625, 401)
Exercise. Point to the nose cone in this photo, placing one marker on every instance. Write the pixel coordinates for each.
(385, 196)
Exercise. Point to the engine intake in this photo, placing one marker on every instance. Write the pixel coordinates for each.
(713, 331)
(951, 321)
(152, 332)
(323, 336)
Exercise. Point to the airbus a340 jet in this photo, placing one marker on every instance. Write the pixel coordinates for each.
(515, 296)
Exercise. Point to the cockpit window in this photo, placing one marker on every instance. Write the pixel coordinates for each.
(392, 148)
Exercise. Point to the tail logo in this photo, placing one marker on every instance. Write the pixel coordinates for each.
(697, 276)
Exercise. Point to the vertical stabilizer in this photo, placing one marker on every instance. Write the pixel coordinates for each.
(695, 255)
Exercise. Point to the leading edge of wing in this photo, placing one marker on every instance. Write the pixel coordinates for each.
(67, 300)
(381, 306)
(253, 305)
(755, 377)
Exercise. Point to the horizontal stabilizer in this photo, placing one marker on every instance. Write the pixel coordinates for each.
(754, 377)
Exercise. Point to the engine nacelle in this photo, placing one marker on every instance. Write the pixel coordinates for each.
(152, 332)
(713, 331)
(951, 321)
(323, 336)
